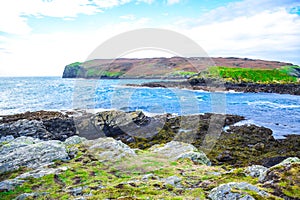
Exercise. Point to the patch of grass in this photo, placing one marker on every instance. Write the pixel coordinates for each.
(75, 64)
(124, 179)
(99, 73)
(248, 75)
(184, 73)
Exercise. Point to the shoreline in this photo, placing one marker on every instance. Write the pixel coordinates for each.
(47, 125)
(215, 86)
(81, 154)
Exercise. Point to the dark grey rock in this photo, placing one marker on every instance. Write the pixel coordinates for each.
(224, 192)
(175, 150)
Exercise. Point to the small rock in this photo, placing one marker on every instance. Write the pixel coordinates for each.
(259, 146)
(173, 180)
(175, 150)
(256, 170)
(74, 140)
(149, 176)
(225, 156)
(224, 192)
(34, 195)
(76, 191)
(8, 185)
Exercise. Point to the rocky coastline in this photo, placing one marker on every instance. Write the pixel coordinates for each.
(213, 85)
(129, 155)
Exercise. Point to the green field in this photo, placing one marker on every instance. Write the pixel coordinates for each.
(248, 75)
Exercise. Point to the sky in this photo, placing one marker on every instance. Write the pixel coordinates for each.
(40, 37)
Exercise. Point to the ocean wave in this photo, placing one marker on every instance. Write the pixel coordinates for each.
(272, 104)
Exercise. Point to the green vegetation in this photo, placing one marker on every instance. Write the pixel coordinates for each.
(75, 64)
(98, 73)
(184, 73)
(104, 180)
(126, 179)
(73, 70)
(263, 76)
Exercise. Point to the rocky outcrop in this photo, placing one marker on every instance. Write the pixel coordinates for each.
(214, 85)
(283, 178)
(135, 124)
(106, 168)
(238, 145)
(31, 153)
(225, 192)
(109, 149)
(42, 124)
(178, 150)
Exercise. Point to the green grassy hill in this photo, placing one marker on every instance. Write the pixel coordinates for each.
(285, 74)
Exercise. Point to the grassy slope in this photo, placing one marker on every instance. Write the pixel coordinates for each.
(124, 179)
(238, 75)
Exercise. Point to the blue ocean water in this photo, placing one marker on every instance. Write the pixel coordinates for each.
(279, 112)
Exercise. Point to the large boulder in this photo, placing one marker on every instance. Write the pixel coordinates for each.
(44, 125)
(283, 178)
(175, 150)
(225, 192)
(109, 149)
(135, 124)
(30, 152)
(285, 165)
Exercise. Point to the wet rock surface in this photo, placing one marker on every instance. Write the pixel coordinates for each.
(174, 161)
(213, 85)
(45, 125)
(238, 145)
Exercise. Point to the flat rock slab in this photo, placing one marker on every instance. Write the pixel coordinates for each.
(31, 153)
(175, 150)
(109, 149)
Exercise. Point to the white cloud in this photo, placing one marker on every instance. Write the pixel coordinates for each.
(146, 1)
(128, 17)
(171, 2)
(246, 8)
(268, 32)
(47, 54)
(110, 3)
(13, 13)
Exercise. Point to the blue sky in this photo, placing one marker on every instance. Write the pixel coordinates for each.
(39, 37)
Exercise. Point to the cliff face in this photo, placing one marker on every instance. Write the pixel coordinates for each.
(175, 67)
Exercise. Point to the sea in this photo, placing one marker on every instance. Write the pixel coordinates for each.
(279, 112)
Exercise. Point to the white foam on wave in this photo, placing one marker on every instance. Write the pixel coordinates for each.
(271, 104)
(247, 122)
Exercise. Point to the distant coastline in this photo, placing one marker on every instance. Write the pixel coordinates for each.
(166, 68)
